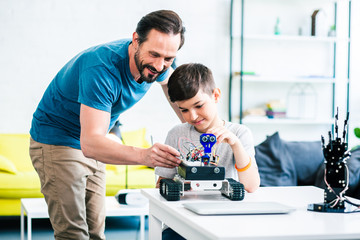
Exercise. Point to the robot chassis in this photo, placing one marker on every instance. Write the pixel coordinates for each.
(205, 177)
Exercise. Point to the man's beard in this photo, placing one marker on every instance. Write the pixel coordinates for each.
(141, 67)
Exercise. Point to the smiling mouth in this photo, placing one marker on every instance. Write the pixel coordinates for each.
(152, 72)
(198, 122)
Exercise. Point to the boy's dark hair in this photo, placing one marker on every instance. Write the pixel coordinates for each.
(187, 79)
(165, 21)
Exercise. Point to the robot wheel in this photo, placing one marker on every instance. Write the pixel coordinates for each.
(236, 190)
(170, 189)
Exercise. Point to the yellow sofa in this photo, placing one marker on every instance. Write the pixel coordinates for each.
(18, 179)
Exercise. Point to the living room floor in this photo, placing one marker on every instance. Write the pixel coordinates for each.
(116, 228)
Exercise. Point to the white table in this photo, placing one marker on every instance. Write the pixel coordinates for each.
(299, 224)
(37, 208)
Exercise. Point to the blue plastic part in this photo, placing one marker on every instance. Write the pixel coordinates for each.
(207, 140)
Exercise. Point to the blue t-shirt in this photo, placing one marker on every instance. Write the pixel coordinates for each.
(98, 77)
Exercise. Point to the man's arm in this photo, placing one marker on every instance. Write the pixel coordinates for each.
(173, 105)
(94, 144)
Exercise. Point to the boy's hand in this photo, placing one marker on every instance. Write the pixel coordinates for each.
(161, 155)
(223, 135)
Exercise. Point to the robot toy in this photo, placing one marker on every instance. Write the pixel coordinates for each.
(199, 171)
(336, 174)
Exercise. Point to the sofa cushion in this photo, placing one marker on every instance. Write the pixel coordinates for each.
(130, 176)
(307, 157)
(286, 163)
(20, 185)
(7, 166)
(136, 138)
(15, 147)
(275, 164)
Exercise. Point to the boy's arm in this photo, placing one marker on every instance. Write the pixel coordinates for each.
(248, 174)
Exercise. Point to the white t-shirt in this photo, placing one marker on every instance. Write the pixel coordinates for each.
(180, 136)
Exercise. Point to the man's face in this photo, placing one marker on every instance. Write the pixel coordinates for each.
(156, 54)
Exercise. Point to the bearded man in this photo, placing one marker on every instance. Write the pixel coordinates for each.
(68, 145)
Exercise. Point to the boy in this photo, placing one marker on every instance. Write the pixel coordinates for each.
(192, 88)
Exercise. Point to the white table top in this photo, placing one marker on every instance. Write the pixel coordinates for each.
(37, 208)
(299, 224)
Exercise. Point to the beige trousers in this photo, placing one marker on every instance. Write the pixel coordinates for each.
(74, 190)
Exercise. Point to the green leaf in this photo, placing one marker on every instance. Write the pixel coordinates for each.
(357, 132)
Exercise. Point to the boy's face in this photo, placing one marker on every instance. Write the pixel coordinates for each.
(200, 111)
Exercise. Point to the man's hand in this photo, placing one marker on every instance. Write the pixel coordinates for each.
(161, 155)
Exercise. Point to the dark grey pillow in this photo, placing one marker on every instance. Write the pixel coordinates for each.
(275, 164)
(285, 163)
(308, 158)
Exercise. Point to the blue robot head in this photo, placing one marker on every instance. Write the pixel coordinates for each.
(207, 140)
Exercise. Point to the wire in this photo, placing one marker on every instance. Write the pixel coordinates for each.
(190, 152)
(339, 197)
(354, 204)
(181, 145)
(214, 148)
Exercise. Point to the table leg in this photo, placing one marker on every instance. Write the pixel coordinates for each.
(29, 226)
(22, 222)
(142, 227)
(155, 227)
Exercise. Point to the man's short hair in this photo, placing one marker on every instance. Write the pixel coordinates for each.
(165, 21)
(187, 79)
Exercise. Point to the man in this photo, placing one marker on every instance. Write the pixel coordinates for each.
(68, 145)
